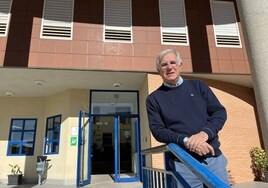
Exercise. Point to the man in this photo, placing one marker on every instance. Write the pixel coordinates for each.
(187, 112)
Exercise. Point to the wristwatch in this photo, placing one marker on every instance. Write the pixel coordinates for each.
(185, 140)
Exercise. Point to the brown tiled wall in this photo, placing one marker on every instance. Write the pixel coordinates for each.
(240, 132)
(24, 48)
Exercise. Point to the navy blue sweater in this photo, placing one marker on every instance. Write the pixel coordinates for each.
(175, 113)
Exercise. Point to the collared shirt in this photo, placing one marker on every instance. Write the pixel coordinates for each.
(180, 81)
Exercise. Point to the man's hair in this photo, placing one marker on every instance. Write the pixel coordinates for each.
(163, 53)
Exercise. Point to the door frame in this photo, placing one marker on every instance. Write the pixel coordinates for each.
(80, 180)
(117, 178)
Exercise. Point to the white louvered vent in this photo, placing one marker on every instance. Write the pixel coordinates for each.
(5, 7)
(118, 25)
(225, 24)
(57, 19)
(173, 22)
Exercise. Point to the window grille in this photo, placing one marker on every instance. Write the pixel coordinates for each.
(225, 24)
(57, 22)
(22, 137)
(117, 19)
(173, 22)
(52, 138)
(5, 8)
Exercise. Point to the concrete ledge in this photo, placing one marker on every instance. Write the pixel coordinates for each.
(254, 184)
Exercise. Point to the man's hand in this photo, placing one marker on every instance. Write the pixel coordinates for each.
(197, 143)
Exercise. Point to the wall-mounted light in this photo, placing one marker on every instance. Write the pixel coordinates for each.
(39, 82)
(116, 84)
(9, 94)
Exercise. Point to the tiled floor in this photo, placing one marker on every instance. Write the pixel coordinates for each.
(125, 185)
(252, 185)
(105, 181)
(101, 185)
(100, 181)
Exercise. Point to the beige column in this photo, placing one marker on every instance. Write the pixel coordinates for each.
(254, 19)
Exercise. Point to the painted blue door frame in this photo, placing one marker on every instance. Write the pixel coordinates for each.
(85, 141)
(118, 175)
(84, 149)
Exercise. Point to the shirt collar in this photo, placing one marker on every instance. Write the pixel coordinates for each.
(180, 81)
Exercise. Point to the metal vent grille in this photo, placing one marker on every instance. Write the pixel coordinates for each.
(179, 38)
(228, 40)
(5, 7)
(118, 21)
(114, 34)
(57, 19)
(225, 24)
(56, 31)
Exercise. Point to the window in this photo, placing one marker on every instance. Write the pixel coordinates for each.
(173, 22)
(57, 22)
(5, 7)
(225, 24)
(117, 19)
(22, 137)
(52, 139)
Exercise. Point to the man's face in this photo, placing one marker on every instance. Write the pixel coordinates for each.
(170, 69)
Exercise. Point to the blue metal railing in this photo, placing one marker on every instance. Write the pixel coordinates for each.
(164, 178)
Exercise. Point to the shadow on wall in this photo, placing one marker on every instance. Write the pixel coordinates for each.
(243, 93)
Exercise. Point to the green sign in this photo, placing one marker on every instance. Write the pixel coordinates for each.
(73, 141)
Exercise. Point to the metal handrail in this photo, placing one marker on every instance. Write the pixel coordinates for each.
(206, 176)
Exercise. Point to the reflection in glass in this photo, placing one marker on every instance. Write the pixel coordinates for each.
(49, 134)
(27, 149)
(52, 135)
(114, 102)
(14, 149)
(57, 120)
(16, 136)
(17, 124)
(57, 132)
(30, 125)
(22, 137)
(52, 147)
(128, 148)
(50, 123)
(28, 137)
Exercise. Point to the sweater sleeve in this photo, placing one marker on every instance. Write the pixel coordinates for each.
(160, 132)
(216, 112)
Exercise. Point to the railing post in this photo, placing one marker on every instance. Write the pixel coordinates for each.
(169, 178)
(144, 172)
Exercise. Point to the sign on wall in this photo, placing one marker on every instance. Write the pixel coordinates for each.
(73, 141)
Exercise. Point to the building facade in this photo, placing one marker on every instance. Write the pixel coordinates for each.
(75, 75)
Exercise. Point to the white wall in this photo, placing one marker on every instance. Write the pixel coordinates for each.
(68, 104)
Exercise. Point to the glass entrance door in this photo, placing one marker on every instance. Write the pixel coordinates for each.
(126, 148)
(103, 144)
(115, 135)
